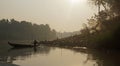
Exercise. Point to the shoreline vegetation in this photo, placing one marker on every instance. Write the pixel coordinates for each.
(103, 39)
(106, 37)
(102, 30)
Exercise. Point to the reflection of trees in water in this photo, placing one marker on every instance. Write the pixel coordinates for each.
(102, 57)
(8, 56)
(106, 58)
(7, 64)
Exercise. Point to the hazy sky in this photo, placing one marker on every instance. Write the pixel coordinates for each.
(62, 15)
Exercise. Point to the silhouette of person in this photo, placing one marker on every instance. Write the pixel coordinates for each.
(35, 43)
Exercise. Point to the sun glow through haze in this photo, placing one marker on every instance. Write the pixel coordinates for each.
(76, 1)
(61, 15)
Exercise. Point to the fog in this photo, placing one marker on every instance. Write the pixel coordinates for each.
(61, 15)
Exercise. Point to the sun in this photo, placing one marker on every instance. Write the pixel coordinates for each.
(76, 1)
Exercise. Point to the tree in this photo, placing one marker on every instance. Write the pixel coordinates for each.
(24, 30)
(112, 7)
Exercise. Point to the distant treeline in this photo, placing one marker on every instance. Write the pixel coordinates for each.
(23, 30)
(67, 34)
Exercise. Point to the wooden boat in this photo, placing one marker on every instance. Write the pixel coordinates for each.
(21, 45)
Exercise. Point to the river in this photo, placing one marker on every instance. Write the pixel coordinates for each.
(56, 56)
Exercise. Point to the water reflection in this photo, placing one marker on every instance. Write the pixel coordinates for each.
(54, 56)
(101, 57)
(13, 54)
(105, 58)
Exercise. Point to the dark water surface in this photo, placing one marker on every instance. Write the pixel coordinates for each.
(55, 56)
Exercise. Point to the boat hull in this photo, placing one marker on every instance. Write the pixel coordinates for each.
(21, 45)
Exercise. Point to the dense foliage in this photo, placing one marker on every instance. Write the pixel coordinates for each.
(102, 29)
(108, 22)
(23, 30)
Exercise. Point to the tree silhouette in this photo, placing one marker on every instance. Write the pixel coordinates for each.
(24, 30)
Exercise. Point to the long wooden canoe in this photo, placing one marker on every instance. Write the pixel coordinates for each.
(21, 45)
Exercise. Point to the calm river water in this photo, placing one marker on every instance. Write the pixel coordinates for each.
(55, 56)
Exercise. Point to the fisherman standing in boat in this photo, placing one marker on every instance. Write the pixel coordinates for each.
(35, 43)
